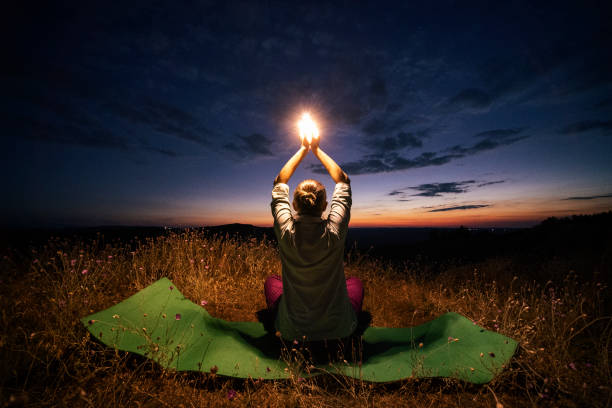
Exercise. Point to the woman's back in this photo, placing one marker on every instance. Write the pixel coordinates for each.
(315, 300)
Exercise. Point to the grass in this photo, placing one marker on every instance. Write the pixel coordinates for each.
(563, 325)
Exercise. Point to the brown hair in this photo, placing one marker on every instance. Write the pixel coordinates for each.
(310, 197)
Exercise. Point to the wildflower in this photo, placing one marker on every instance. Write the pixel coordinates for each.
(92, 321)
(588, 365)
(178, 316)
(84, 271)
(35, 261)
(481, 354)
(72, 262)
(171, 287)
(420, 345)
(268, 369)
(191, 261)
(450, 338)
(295, 342)
(110, 257)
(572, 366)
(203, 302)
(206, 267)
(231, 394)
(115, 316)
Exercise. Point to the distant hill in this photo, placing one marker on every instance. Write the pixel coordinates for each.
(587, 235)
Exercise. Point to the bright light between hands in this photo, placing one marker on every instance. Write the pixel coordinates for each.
(308, 129)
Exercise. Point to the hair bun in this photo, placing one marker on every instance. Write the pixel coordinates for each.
(309, 199)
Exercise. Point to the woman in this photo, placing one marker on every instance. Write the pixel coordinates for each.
(316, 303)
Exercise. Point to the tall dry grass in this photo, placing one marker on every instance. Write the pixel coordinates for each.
(48, 359)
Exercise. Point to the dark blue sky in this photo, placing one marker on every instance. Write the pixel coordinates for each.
(445, 113)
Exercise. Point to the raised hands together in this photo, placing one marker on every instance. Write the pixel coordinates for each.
(332, 167)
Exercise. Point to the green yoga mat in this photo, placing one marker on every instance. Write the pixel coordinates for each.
(161, 324)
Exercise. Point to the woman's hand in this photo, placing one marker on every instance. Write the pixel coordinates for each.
(314, 144)
(305, 144)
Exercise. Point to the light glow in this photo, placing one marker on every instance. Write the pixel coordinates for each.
(308, 128)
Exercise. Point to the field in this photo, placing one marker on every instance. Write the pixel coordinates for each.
(556, 307)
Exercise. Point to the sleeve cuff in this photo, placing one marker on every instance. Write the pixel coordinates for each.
(281, 187)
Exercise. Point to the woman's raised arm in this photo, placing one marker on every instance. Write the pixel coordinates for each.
(289, 168)
(332, 167)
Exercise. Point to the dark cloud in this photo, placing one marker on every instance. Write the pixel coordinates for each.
(589, 197)
(163, 118)
(488, 183)
(604, 103)
(471, 99)
(391, 161)
(586, 126)
(460, 207)
(70, 134)
(490, 140)
(392, 143)
(499, 133)
(437, 189)
(253, 145)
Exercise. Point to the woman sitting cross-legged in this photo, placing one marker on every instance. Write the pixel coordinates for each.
(312, 301)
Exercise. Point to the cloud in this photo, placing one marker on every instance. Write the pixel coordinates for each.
(499, 133)
(253, 145)
(586, 126)
(604, 103)
(460, 207)
(589, 197)
(390, 161)
(437, 189)
(489, 183)
(86, 132)
(391, 143)
(471, 99)
(163, 118)
(491, 139)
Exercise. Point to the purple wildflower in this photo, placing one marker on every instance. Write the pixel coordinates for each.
(178, 316)
(231, 394)
(203, 302)
(84, 271)
(572, 366)
(171, 287)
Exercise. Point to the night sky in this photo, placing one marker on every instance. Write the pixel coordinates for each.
(442, 114)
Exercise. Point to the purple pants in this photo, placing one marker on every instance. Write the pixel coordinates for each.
(273, 288)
